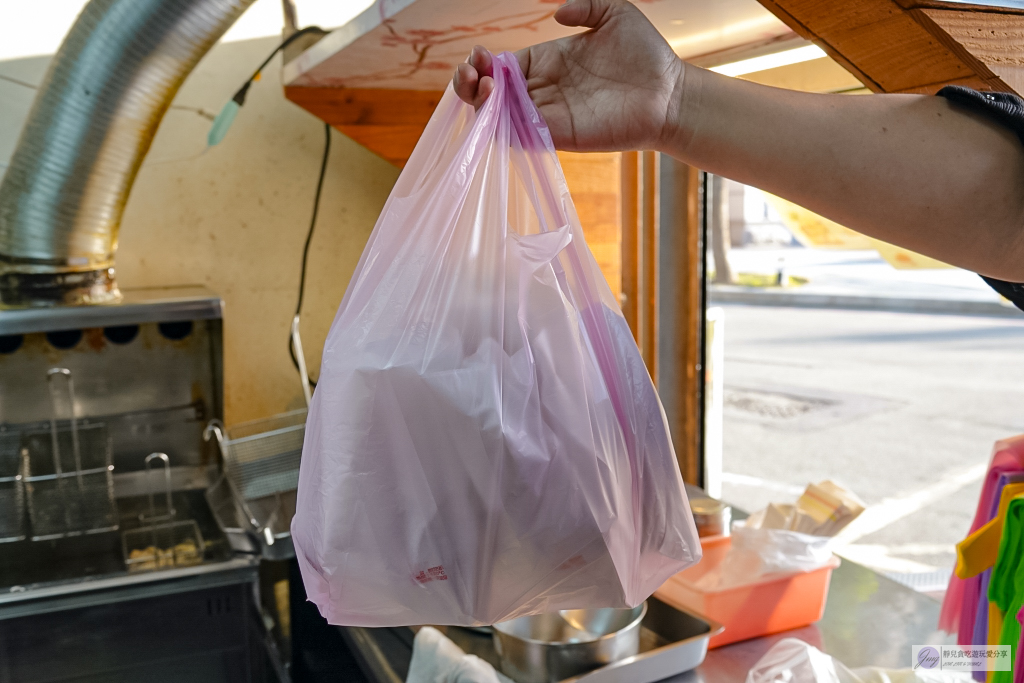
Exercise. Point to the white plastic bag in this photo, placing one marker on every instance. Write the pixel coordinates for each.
(780, 550)
(794, 661)
(755, 553)
(485, 441)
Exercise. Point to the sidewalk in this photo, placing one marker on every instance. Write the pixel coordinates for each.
(858, 280)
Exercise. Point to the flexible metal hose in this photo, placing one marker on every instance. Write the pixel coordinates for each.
(90, 127)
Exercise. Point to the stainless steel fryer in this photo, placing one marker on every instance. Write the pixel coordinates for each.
(147, 378)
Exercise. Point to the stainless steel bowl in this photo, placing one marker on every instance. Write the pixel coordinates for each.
(546, 648)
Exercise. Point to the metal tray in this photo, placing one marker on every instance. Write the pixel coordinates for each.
(671, 641)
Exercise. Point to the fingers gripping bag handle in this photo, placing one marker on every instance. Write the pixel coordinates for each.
(485, 441)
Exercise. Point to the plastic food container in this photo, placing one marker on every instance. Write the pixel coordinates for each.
(711, 516)
(770, 605)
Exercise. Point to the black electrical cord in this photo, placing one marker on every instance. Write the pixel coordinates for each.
(239, 99)
(16, 81)
(309, 238)
(239, 96)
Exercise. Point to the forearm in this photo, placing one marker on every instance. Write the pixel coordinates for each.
(907, 169)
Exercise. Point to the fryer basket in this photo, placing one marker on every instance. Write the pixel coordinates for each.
(261, 466)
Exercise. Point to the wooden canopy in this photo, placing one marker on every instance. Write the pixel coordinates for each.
(915, 46)
(378, 78)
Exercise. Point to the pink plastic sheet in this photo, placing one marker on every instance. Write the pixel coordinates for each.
(485, 441)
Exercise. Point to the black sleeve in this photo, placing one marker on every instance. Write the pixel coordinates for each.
(1007, 110)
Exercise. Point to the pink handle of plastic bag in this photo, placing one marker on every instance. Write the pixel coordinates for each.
(533, 135)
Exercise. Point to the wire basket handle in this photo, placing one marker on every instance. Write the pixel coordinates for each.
(215, 430)
(300, 360)
(53, 381)
(153, 516)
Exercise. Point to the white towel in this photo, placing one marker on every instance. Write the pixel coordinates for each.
(435, 659)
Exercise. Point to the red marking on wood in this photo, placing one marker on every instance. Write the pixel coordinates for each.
(420, 41)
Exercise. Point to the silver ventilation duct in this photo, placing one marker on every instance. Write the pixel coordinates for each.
(90, 127)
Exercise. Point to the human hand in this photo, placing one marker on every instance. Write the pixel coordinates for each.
(617, 86)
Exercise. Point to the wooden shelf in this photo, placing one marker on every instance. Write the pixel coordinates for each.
(915, 46)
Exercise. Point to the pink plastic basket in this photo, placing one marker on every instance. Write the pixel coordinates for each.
(774, 604)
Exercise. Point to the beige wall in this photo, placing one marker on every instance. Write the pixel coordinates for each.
(234, 217)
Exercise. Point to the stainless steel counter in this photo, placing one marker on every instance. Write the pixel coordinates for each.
(869, 621)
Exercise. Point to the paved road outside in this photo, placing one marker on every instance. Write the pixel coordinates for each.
(903, 408)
